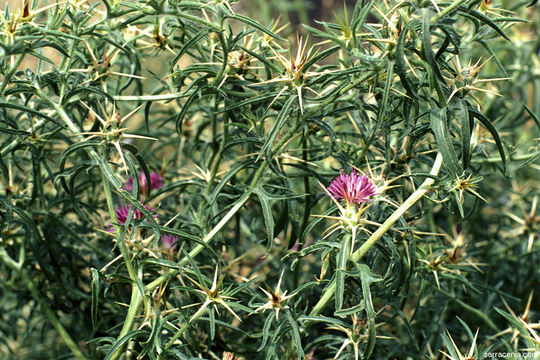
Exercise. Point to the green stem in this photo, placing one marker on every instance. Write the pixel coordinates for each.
(225, 55)
(219, 154)
(193, 18)
(448, 10)
(65, 65)
(358, 254)
(341, 92)
(258, 174)
(471, 309)
(41, 123)
(510, 158)
(49, 313)
(159, 97)
(133, 311)
(60, 111)
(274, 150)
(182, 329)
(383, 111)
(10, 73)
(136, 297)
(299, 123)
(415, 197)
(120, 240)
(307, 209)
(197, 249)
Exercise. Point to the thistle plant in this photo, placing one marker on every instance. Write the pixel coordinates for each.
(212, 180)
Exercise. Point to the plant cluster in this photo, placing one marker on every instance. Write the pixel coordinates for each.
(183, 181)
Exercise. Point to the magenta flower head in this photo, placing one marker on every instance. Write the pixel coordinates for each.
(155, 179)
(352, 188)
(168, 241)
(122, 213)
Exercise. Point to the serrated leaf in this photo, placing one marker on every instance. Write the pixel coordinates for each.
(65, 155)
(212, 322)
(409, 328)
(358, 21)
(180, 118)
(533, 115)
(494, 56)
(323, 319)
(225, 180)
(449, 344)
(515, 323)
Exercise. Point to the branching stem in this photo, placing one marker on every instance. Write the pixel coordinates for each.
(358, 254)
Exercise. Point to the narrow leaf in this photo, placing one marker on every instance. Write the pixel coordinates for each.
(493, 131)
(278, 125)
(267, 214)
(95, 296)
(439, 125)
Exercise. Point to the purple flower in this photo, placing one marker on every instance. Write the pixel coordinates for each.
(122, 213)
(168, 241)
(155, 179)
(352, 188)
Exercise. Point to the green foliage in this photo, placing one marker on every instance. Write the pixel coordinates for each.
(165, 164)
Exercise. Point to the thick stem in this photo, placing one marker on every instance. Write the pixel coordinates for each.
(133, 311)
(136, 297)
(358, 254)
